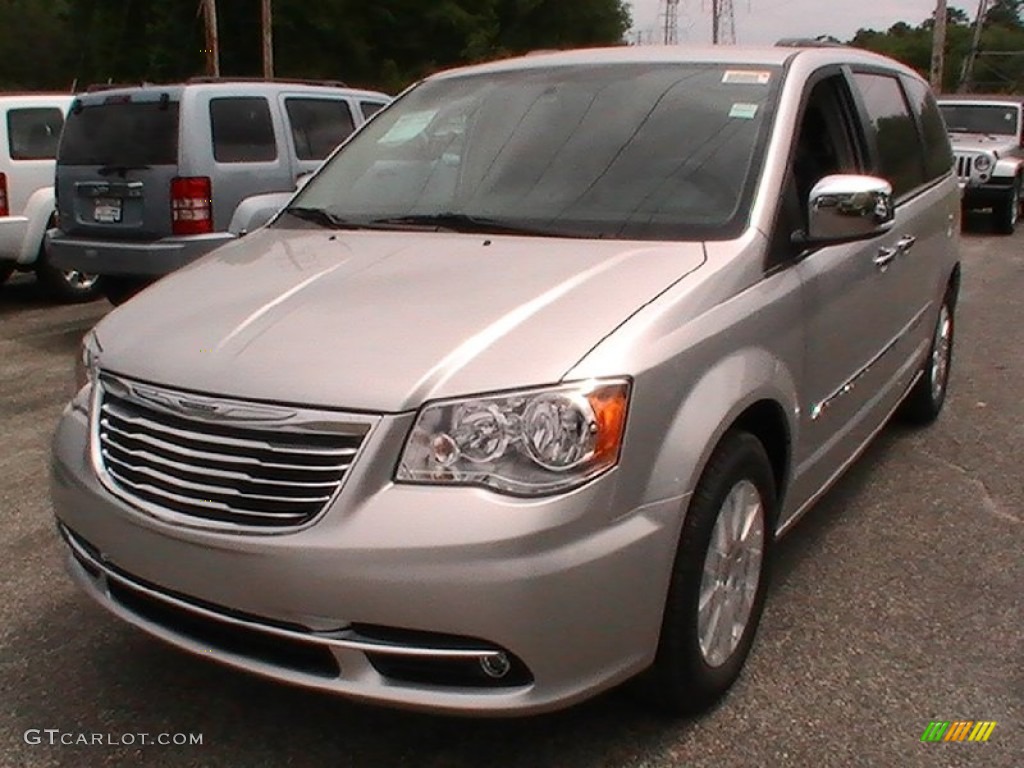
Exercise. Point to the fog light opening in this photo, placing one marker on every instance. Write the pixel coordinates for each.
(495, 666)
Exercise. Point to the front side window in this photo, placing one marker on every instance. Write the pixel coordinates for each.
(243, 130)
(318, 126)
(899, 145)
(638, 151)
(996, 120)
(33, 133)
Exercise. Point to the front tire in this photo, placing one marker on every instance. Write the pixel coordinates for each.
(719, 581)
(924, 402)
(1007, 212)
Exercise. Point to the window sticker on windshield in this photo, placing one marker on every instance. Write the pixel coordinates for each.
(746, 77)
(408, 126)
(743, 111)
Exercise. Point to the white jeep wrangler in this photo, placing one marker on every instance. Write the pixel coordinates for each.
(988, 139)
(30, 128)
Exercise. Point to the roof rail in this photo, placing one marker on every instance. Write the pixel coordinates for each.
(284, 80)
(809, 42)
(99, 87)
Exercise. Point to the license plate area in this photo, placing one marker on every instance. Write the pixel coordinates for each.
(107, 210)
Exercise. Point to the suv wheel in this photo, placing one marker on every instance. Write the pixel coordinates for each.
(6, 270)
(68, 285)
(1007, 212)
(719, 579)
(925, 400)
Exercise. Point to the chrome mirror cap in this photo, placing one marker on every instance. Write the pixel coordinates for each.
(845, 208)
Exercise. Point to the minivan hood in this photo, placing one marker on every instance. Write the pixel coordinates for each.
(382, 321)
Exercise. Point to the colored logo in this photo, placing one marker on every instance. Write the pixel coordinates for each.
(958, 730)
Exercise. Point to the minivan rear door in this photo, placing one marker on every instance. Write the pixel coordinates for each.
(118, 154)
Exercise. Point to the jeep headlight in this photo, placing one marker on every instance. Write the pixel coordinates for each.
(525, 443)
(983, 163)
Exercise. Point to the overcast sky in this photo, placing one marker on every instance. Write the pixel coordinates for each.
(765, 21)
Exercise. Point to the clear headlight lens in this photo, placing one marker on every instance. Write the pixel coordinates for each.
(87, 364)
(983, 163)
(525, 443)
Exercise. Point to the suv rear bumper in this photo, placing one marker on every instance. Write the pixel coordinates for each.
(130, 258)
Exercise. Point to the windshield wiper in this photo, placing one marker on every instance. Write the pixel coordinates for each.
(461, 222)
(106, 170)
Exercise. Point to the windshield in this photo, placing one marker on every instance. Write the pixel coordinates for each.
(121, 133)
(974, 118)
(635, 151)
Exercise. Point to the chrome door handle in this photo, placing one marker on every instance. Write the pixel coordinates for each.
(905, 243)
(885, 256)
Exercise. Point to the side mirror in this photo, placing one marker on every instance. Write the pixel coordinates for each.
(847, 208)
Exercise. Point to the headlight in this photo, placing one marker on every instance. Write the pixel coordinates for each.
(983, 163)
(525, 443)
(87, 365)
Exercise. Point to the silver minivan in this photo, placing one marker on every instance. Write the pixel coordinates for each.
(152, 177)
(511, 402)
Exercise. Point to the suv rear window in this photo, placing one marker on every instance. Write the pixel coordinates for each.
(121, 133)
(318, 126)
(34, 132)
(243, 131)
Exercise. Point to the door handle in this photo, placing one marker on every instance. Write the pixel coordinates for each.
(905, 243)
(885, 256)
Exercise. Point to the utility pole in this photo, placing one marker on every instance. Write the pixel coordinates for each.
(968, 71)
(939, 46)
(723, 22)
(212, 50)
(715, 21)
(268, 39)
(670, 22)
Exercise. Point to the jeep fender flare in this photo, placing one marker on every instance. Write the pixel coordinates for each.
(1008, 168)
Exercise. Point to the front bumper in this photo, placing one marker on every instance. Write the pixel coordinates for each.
(986, 195)
(130, 258)
(393, 588)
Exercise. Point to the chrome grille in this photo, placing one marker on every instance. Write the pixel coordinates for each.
(964, 166)
(226, 473)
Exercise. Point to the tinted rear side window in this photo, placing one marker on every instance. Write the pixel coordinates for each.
(33, 133)
(370, 108)
(938, 157)
(900, 158)
(121, 133)
(318, 126)
(243, 131)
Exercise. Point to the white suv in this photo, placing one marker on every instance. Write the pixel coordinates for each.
(30, 128)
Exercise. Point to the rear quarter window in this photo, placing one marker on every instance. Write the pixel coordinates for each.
(370, 108)
(938, 155)
(33, 133)
(894, 130)
(318, 125)
(243, 130)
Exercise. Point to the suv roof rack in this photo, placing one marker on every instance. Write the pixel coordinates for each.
(285, 80)
(809, 42)
(100, 87)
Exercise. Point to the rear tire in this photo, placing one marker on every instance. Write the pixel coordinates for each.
(68, 285)
(1007, 211)
(118, 290)
(924, 402)
(719, 580)
(6, 270)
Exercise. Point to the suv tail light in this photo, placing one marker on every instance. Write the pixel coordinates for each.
(191, 206)
(5, 209)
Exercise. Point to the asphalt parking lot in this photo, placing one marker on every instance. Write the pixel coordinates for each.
(897, 602)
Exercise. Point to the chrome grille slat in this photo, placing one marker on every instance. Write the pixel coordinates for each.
(219, 468)
(208, 505)
(214, 490)
(189, 453)
(230, 442)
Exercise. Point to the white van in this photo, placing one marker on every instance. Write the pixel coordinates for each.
(30, 128)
